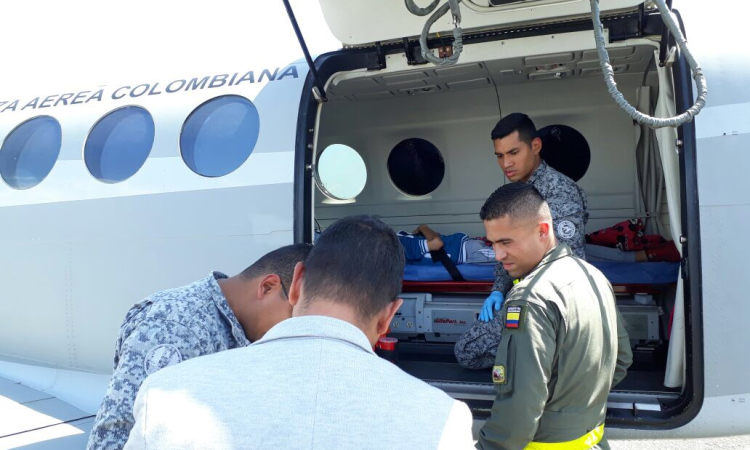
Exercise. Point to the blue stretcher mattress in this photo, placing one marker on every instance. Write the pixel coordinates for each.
(616, 272)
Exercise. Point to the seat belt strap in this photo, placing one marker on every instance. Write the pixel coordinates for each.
(442, 256)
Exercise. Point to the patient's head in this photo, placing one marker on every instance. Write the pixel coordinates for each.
(518, 222)
(517, 147)
(354, 272)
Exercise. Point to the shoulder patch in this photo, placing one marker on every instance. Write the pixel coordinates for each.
(498, 375)
(160, 357)
(514, 317)
(566, 229)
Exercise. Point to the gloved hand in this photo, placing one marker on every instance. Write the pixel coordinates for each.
(494, 301)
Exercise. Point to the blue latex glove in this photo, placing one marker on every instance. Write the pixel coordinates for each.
(494, 301)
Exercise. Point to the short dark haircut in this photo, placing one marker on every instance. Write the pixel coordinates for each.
(516, 200)
(279, 262)
(357, 261)
(515, 122)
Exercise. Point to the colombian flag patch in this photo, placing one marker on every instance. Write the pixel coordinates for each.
(513, 317)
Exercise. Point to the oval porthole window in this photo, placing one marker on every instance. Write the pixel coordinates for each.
(340, 173)
(30, 151)
(219, 135)
(566, 150)
(119, 144)
(416, 167)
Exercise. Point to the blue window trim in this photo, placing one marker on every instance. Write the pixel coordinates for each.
(57, 154)
(93, 127)
(198, 108)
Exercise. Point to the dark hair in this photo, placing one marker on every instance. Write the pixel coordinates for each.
(279, 262)
(517, 200)
(357, 261)
(515, 122)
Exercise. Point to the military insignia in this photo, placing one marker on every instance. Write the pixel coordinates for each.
(498, 375)
(566, 229)
(513, 317)
(160, 357)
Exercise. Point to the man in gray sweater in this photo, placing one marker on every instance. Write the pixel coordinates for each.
(313, 381)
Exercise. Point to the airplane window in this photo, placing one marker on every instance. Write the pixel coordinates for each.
(219, 135)
(416, 167)
(30, 151)
(566, 150)
(119, 144)
(341, 173)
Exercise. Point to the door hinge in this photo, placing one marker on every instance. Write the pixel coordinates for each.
(376, 61)
(413, 53)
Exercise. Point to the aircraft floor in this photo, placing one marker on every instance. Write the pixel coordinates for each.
(636, 381)
(31, 419)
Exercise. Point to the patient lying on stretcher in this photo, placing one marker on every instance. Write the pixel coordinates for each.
(622, 242)
(420, 245)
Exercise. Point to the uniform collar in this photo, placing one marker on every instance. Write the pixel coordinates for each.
(318, 327)
(561, 251)
(538, 172)
(223, 306)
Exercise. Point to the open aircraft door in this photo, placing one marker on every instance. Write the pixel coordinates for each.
(387, 38)
(364, 23)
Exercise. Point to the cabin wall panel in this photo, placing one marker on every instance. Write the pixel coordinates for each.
(459, 124)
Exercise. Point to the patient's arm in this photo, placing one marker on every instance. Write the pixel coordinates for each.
(433, 238)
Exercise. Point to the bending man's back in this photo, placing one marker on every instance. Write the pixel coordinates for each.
(313, 381)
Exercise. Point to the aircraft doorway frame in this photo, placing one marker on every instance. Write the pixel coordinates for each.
(673, 415)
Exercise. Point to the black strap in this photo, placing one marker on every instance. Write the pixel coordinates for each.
(442, 256)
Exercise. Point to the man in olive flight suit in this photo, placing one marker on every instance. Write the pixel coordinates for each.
(564, 345)
(518, 151)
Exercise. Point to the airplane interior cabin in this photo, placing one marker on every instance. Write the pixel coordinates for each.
(413, 147)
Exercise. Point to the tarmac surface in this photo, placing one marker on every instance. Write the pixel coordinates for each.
(731, 443)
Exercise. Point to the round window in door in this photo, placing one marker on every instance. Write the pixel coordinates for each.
(30, 151)
(219, 135)
(119, 143)
(340, 173)
(416, 167)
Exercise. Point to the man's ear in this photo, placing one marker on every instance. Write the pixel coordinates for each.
(387, 316)
(536, 145)
(268, 284)
(295, 289)
(544, 229)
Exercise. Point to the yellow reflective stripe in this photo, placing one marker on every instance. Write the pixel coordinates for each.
(584, 442)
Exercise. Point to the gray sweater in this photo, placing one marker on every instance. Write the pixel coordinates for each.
(311, 383)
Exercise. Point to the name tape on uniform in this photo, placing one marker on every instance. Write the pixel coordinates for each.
(513, 317)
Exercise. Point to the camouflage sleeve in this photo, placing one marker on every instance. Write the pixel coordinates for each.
(569, 223)
(152, 345)
(476, 348)
(503, 280)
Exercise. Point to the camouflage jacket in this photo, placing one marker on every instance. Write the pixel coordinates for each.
(476, 348)
(164, 329)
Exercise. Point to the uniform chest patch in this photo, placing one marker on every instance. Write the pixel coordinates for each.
(566, 229)
(160, 357)
(513, 317)
(498, 375)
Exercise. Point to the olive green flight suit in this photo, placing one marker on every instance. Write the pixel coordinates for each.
(564, 346)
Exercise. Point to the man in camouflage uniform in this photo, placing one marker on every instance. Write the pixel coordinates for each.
(518, 148)
(211, 315)
(564, 343)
